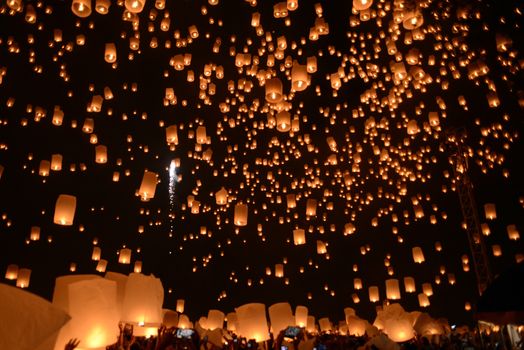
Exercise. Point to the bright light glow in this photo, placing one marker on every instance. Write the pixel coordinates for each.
(172, 182)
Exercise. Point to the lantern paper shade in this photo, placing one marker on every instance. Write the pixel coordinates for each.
(81, 8)
(110, 53)
(12, 272)
(232, 322)
(143, 299)
(184, 322)
(221, 196)
(134, 6)
(418, 255)
(299, 236)
(356, 326)
(325, 324)
(301, 313)
(423, 300)
(490, 211)
(215, 319)
(392, 289)
(279, 270)
(170, 318)
(101, 266)
(180, 305)
(125, 256)
(31, 319)
(373, 294)
(240, 217)
(280, 316)
(299, 77)
(399, 330)
(409, 284)
(101, 154)
(148, 186)
(92, 305)
(361, 5)
(252, 321)
(23, 278)
(65, 210)
(97, 253)
(273, 90)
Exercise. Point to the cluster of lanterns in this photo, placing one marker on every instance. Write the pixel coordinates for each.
(277, 127)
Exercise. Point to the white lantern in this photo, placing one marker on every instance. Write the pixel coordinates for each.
(280, 317)
(301, 313)
(65, 210)
(143, 299)
(252, 322)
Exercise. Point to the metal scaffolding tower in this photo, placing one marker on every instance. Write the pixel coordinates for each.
(464, 188)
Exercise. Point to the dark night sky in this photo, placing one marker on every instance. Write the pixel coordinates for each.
(132, 126)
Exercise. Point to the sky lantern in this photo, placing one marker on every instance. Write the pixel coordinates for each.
(427, 289)
(124, 257)
(301, 314)
(143, 298)
(215, 319)
(23, 278)
(409, 284)
(65, 210)
(299, 77)
(273, 90)
(513, 233)
(299, 236)
(280, 317)
(134, 6)
(357, 283)
(325, 324)
(34, 235)
(184, 322)
(283, 121)
(101, 266)
(110, 53)
(12, 272)
(232, 322)
(56, 162)
(418, 255)
(392, 289)
(279, 270)
(490, 211)
(148, 186)
(252, 321)
(81, 8)
(102, 6)
(423, 300)
(311, 207)
(44, 168)
(169, 318)
(373, 294)
(240, 217)
(356, 326)
(360, 5)
(180, 305)
(101, 154)
(221, 196)
(97, 253)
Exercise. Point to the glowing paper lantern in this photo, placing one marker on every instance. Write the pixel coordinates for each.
(184, 322)
(232, 322)
(423, 300)
(427, 289)
(299, 236)
(279, 270)
(124, 257)
(180, 305)
(32, 320)
(409, 284)
(418, 256)
(283, 121)
(373, 294)
(325, 324)
(172, 135)
(44, 168)
(311, 207)
(143, 298)
(357, 283)
(413, 19)
(101, 266)
(201, 135)
(134, 6)
(221, 196)
(110, 52)
(273, 90)
(490, 211)
(215, 319)
(356, 326)
(399, 330)
(301, 313)
(513, 233)
(101, 154)
(170, 318)
(148, 186)
(56, 162)
(35, 233)
(280, 317)
(65, 210)
(252, 322)
(240, 217)
(102, 6)
(97, 253)
(92, 305)
(12, 272)
(137, 268)
(311, 325)
(321, 247)
(23, 278)
(81, 8)
(299, 77)
(392, 289)
(496, 249)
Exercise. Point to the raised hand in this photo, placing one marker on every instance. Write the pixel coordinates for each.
(72, 344)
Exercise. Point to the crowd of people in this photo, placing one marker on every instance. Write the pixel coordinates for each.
(191, 339)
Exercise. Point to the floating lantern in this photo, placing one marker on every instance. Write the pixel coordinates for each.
(143, 298)
(215, 319)
(360, 5)
(301, 313)
(273, 90)
(12, 272)
(169, 318)
(418, 256)
(184, 322)
(232, 322)
(513, 233)
(221, 196)
(252, 322)
(311, 207)
(357, 283)
(101, 154)
(299, 77)
(81, 8)
(65, 210)
(240, 217)
(101, 266)
(102, 6)
(283, 121)
(427, 289)
(280, 317)
(392, 289)
(180, 305)
(35, 233)
(299, 236)
(148, 186)
(490, 211)
(134, 6)
(409, 284)
(325, 324)
(23, 278)
(423, 300)
(110, 53)
(97, 253)
(279, 270)
(373, 294)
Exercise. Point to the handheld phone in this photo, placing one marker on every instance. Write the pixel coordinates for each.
(283, 347)
(291, 332)
(184, 333)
